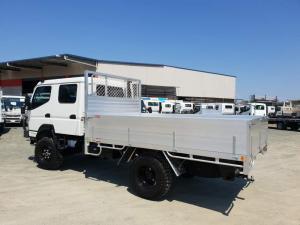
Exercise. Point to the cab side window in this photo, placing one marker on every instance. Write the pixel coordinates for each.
(41, 96)
(67, 93)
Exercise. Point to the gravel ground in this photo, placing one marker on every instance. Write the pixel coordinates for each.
(93, 191)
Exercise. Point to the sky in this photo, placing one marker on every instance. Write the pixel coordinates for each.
(257, 41)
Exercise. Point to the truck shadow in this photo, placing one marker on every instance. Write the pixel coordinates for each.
(5, 130)
(214, 194)
(288, 129)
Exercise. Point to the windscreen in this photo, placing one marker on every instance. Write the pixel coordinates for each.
(153, 104)
(12, 103)
(259, 107)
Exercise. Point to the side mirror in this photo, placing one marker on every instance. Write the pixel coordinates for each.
(27, 102)
(23, 110)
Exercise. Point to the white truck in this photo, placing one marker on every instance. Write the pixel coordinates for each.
(84, 113)
(182, 107)
(271, 110)
(155, 105)
(218, 108)
(168, 107)
(290, 108)
(1, 114)
(12, 108)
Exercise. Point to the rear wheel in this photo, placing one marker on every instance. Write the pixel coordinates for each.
(281, 126)
(46, 154)
(294, 126)
(150, 177)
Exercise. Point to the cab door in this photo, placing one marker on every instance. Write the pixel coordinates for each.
(66, 116)
(40, 108)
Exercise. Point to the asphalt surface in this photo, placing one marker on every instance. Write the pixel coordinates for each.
(93, 191)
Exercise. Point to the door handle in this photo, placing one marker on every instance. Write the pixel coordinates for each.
(47, 115)
(73, 116)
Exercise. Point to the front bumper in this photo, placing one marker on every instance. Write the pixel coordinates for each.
(13, 120)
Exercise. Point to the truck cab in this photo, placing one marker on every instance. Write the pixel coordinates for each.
(271, 110)
(253, 109)
(12, 108)
(291, 108)
(58, 104)
(167, 107)
(155, 105)
(184, 107)
(227, 108)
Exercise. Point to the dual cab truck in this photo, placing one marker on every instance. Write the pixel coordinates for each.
(101, 114)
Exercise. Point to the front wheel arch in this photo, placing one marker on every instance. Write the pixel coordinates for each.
(45, 130)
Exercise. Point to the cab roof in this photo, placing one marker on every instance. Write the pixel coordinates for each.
(62, 81)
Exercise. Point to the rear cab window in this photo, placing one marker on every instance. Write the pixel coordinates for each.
(67, 93)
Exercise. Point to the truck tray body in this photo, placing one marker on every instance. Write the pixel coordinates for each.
(217, 139)
(228, 137)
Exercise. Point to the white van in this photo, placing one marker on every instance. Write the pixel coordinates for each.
(253, 109)
(153, 104)
(226, 108)
(167, 107)
(218, 108)
(184, 107)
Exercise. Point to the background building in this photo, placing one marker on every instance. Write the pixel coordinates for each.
(20, 76)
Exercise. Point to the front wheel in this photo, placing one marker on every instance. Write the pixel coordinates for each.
(46, 154)
(150, 177)
(1, 128)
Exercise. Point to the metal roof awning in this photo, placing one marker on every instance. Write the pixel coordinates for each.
(38, 63)
(64, 60)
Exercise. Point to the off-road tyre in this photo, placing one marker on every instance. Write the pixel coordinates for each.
(150, 177)
(46, 154)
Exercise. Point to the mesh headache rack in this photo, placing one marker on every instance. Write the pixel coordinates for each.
(110, 94)
(113, 86)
